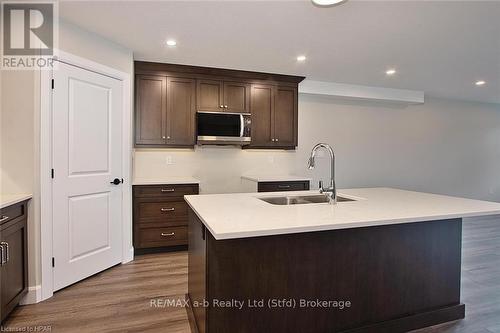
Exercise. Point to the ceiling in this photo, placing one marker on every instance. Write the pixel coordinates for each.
(441, 47)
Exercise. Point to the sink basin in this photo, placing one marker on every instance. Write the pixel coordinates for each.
(301, 199)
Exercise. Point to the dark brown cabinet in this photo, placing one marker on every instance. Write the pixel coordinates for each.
(181, 111)
(274, 117)
(164, 111)
(302, 185)
(150, 110)
(160, 215)
(14, 256)
(167, 97)
(223, 96)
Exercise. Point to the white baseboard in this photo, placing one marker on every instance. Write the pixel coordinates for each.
(129, 256)
(33, 296)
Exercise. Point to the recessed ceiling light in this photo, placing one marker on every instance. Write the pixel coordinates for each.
(480, 83)
(301, 58)
(171, 42)
(327, 2)
(390, 71)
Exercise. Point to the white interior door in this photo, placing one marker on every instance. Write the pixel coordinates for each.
(87, 157)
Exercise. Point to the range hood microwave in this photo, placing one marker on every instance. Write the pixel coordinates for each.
(223, 128)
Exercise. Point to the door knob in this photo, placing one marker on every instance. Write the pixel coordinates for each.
(117, 181)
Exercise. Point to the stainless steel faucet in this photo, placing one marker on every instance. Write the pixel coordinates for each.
(331, 190)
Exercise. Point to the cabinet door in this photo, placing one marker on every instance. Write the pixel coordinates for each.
(15, 270)
(150, 110)
(209, 95)
(181, 111)
(262, 109)
(285, 117)
(236, 97)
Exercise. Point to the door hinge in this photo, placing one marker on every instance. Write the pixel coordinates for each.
(52, 83)
(53, 262)
(52, 173)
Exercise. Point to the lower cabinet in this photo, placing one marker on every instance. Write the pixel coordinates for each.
(161, 215)
(283, 186)
(14, 256)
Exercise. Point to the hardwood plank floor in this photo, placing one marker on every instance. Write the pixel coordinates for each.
(119, 299)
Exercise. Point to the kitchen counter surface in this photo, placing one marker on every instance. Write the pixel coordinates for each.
(166, 180)
(11, 199)
(241, 215)
(275, 178)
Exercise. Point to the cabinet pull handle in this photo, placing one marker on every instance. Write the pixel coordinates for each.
(167, 235)
(3, 218)
(167, 189)
(276, 140)
(167, 209)
(222, 106)
(1, 255)
(5, 252)
(283, 186)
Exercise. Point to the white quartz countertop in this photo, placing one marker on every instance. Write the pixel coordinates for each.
(275, 178)
(242, 215)
(166, 180)
(11, 199)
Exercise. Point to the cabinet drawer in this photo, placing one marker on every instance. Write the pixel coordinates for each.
(165, 191)
(159, 237)
(161, 211)
(12, 212)
(283, 186)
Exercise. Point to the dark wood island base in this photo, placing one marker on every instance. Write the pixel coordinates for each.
(389, 278)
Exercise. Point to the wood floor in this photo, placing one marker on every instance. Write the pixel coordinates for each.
(119, 299)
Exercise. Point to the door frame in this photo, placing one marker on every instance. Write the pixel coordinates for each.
(46, 222)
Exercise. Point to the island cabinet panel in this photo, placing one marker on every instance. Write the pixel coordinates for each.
(160, 215)
(14, 257)
(391, 278)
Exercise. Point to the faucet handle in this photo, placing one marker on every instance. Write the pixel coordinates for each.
(320, 185)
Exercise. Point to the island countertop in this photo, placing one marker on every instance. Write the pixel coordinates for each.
(240, 215)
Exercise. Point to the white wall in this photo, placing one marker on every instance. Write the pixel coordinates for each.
(19, 144)
(442, 146)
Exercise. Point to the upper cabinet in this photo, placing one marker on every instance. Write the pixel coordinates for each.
(167, 97)
(164, 111)
(274, 117)
(223, 96)
(150, 110)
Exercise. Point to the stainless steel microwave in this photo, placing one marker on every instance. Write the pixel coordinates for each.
(223, 128)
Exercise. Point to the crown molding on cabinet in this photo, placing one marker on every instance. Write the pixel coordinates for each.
(359, 92)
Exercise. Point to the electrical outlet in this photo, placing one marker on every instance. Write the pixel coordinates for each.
(270, 159)
(168, 160)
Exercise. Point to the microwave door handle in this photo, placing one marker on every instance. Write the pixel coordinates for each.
(242, 125)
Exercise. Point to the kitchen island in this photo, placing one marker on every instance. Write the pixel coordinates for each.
(387, 261)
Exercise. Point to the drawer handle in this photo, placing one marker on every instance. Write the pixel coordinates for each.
(3, 218)
(167, 235)
(167, 189)
(5, 255)
(167, 209)
(283, 186)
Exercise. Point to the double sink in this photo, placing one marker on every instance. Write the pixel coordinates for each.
(302, 199)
